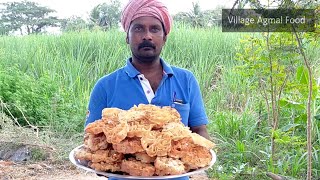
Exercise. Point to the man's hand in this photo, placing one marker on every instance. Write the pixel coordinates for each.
(201, 130)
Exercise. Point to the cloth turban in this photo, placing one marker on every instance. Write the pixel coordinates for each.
(152, 8)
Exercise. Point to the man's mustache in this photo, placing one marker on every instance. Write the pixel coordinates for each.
(146, 44)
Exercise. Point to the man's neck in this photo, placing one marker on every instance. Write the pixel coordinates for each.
(153, 71)
(147, 68)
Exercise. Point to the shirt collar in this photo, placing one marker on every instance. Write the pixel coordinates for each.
(133, 72)
(166, 68)
(130, 69)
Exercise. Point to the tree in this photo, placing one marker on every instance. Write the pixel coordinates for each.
(106, 15)
(304, 74)
(27, 17)
(195, 17)
(198, 18)
(4, 28)
(213, 17)
(74, 23)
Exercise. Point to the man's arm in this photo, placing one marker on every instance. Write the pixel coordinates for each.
(201, 130)
(97, 102)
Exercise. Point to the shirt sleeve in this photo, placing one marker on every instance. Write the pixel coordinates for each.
(197, 116)
(97, 102)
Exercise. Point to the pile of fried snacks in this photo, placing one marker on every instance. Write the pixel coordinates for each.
(145, 140)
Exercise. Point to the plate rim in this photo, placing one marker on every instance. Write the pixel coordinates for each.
(76, 163)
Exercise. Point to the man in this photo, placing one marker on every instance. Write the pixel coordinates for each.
(147, 78)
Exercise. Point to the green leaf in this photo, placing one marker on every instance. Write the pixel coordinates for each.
(289, 127)
(301, 119)
(302, 75)
(317, 117)
(291, 104)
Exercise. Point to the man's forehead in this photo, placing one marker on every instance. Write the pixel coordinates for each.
(146, 20)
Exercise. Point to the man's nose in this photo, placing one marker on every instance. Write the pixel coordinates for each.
(147, 36)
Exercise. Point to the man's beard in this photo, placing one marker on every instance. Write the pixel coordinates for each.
(145, 58)
(146, 44)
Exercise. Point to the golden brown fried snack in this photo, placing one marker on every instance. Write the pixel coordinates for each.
(144, 157)
(156, 143)
(115, 134)
(197, 157)
(115, 156)
(177, 130)
(164, 115)
(95, 141)
(111, 113)
(201, 141)
(157, 115)
(145, 107)
(132, 115)
(129, 146)
(95, 127)
(108, 156)
(137, 168)
(137, 128)
(168, 166)
(101, 156)
(174, 114)
(83, 154)
(103, 166)
(154, 135)
(180, 147)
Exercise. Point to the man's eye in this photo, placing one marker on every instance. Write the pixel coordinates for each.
(138, 29)
(155, 29)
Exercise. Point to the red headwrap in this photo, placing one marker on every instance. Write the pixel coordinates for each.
(152, 8)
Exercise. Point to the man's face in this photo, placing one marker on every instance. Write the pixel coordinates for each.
(146, 38)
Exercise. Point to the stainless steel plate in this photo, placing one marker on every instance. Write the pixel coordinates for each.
(83, 165)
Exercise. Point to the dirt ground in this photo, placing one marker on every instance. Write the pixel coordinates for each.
(47, 171)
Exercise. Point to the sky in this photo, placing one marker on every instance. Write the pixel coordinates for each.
(68, 8)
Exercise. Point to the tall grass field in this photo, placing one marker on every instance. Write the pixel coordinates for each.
(46, 80)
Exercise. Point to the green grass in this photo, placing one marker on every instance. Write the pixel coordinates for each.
(62, 69)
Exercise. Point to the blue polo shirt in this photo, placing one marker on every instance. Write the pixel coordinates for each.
(122, 89)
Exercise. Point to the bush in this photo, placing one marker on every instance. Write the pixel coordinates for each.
(40, 101)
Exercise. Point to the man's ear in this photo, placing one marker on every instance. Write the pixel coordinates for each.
(165, 38)
(127, 38)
